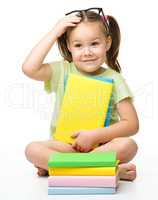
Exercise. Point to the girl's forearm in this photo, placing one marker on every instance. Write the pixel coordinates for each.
(35, 59)
(120, 129)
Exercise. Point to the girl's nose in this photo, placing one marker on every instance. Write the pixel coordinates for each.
(87, 51)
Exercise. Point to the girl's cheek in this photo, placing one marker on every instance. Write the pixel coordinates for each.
(101, 51)
(76, 55)
(96, 52)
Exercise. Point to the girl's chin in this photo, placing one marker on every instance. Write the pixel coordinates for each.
(91, 69)
(87, 68)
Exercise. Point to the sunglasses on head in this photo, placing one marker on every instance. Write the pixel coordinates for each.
(96, 10)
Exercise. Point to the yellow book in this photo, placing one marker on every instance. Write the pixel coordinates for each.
(82, 171)
(84, 107)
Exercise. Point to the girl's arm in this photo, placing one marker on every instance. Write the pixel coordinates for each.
(33, 65)
(127, 126)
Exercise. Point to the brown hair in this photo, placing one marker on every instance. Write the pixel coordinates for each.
(113, 32)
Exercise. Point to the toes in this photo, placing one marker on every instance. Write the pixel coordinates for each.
(131, 167)
(131, 175)
(39, 173)
(128, 166)
(128, 176)
(42, 172)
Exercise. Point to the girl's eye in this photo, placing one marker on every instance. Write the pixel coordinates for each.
(94, 43)
(77, 45)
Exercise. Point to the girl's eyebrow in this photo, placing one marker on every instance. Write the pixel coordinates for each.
(91, 40)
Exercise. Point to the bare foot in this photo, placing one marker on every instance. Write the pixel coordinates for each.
(127, 171)
(41, 172)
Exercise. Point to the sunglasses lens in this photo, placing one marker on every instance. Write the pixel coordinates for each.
(95, 10)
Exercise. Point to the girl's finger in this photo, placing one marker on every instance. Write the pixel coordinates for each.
(74, 19)
(77, 147)
(73, 15)
(80, 148)
(71, 24)
(75, 134)
(74, 145)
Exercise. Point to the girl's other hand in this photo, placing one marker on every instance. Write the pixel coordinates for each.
(67, 21)
(85, 140)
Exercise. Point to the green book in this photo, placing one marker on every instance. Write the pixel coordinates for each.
(97, 159)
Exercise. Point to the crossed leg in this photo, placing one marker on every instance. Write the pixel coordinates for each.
(38, 154)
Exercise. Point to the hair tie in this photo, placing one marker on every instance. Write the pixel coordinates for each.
(105, 19)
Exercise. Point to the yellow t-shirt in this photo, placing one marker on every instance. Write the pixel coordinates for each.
(61, 69)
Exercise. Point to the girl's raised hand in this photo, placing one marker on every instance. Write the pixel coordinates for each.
(67, 21)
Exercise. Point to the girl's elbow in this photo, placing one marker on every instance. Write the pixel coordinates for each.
(135, 127)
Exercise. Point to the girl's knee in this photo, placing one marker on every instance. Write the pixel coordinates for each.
(126, 143)
(31, 149)
(131, 145)
(127, 148)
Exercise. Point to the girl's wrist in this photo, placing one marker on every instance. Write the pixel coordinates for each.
(55, 33)
(100, 135)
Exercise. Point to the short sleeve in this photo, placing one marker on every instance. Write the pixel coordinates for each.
(121, 89)
(52, 84)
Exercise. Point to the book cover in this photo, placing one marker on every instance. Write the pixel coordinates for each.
(91, 159)
(84, 107)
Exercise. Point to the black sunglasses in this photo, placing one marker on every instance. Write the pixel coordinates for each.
(98, 11)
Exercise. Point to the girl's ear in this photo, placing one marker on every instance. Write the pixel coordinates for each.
(108, 43)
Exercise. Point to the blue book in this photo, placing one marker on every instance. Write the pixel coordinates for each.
(80, 190)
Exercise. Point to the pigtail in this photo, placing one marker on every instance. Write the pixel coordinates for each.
(113, 52)
(62, 45)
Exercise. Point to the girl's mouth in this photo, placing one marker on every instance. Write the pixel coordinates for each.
(92, 60)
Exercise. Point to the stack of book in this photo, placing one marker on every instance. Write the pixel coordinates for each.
(83, 173)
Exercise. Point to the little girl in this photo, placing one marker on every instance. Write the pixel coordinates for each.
(86, 40)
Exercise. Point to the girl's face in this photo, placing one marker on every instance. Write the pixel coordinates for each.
(88, 45)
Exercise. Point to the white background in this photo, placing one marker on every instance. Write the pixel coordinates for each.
(25, 109)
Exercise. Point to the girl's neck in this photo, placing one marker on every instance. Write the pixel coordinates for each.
(99, 71)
